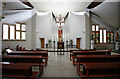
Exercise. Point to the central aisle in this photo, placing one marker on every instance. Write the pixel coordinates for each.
(59, 66)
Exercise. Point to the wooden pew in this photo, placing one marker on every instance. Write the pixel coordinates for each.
(45, 56)
(24, 59)
(75, 53)
(91, 70)
(71, 52)
(18, 71)
(96, 59)
(43, 53)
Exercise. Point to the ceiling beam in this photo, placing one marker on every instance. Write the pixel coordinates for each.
(19, 9)
(54, 16)
(95, 3)
(66, 16)
(26, 2)
(94, 14)
(101, 19)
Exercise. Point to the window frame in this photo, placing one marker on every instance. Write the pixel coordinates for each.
(113, 36)
(2, 30)
(95, 33)
(14, 32)
(21, 30)
(110, 36)
(111, 32)
(103, 35)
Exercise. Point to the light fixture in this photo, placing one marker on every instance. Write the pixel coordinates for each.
(79, 13)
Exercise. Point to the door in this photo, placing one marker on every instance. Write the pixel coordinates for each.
(78, 42)
(42, 42)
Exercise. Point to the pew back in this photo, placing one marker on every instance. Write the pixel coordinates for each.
(101, 70)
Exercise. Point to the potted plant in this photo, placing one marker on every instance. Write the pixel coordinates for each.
(50, 43)
(71, 42)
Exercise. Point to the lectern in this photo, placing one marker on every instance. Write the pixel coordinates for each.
(60, 45)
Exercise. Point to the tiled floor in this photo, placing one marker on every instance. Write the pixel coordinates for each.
(59, 66)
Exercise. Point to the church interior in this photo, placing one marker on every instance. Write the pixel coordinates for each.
(60, 39)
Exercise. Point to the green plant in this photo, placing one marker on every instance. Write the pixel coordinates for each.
(49, 41)
(71, 41)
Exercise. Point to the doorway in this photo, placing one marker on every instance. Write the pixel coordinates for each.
(42, 42)
(78, 42)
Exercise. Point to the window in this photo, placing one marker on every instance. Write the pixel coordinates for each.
(8, 31)
(5, 31)
(14, 32)
(101, 35)
(104, 35)
(95, 33)
(110, 37)
(20, 31)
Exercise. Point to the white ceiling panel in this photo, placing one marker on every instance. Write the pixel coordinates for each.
(15, 5)
(60, 6)
(108, 12)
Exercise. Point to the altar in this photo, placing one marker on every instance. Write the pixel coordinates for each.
(60, 48)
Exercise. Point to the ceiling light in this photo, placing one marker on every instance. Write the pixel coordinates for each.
(79, 13)
(42, 13)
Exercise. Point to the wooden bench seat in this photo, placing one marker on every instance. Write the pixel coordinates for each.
(96, 59)
(75, 53)
(33, 76)
(43, 53)
(33, 60)
(19, 70)
(100, 70)
(36, 64)
(99, 76)
(71, 52)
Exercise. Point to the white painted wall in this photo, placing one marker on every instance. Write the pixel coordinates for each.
(74, 28)
(54, 28)
(87, 31)
(119, 18)
(43, 27)
(66, 31)
(77, 29)
(54, 33)
(24, 17)
(0, 27)
(33, 32)
(66, 27)
(108, 12)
